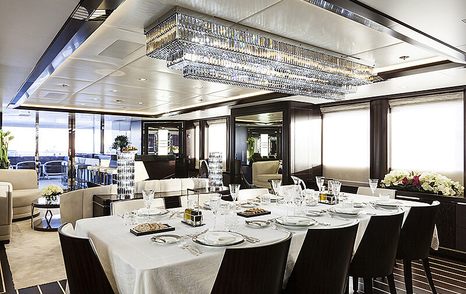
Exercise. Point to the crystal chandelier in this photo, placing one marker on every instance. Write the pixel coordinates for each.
(209, 49)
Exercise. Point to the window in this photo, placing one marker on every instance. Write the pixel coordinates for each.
(216, 138)
(346, 140)
(426, 134)
(87, 134)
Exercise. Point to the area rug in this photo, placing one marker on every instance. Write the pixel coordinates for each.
(35, 257)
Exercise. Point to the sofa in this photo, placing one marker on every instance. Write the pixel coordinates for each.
(25, 190)
(77, 204)
(171, 185)
(263, 171)
(6, 211)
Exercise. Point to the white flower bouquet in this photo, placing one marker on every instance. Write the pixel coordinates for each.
(423, 182)
(51, 191)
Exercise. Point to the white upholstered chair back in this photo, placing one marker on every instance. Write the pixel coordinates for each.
(247, 194)
(379, 191)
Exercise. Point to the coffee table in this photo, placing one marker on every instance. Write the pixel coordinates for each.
(49, 222)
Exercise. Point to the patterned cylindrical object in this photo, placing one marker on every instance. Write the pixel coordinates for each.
(125, 170)
(215, 169)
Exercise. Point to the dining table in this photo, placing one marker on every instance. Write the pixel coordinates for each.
(136, 264)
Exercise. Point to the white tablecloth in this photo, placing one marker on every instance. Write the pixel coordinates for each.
(137, 265)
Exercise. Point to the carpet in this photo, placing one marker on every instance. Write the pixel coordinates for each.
(35, 257)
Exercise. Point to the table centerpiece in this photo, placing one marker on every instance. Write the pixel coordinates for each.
(424, 182)
(51, 192)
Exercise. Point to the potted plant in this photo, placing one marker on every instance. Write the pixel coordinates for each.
(5, 138)
(121, 142)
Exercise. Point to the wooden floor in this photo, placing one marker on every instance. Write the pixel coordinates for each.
(449, 278)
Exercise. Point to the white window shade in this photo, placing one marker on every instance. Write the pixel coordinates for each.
(216, 136)
(428, 136)
(346, 140)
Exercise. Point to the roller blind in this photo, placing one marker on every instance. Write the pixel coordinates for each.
(346, 139)
(427, 134)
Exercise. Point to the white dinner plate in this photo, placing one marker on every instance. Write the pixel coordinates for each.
(390, 204)
(258, 224)
(295, 221)
(166, 239)
(347, 212)
(151, 211)
(219, 238)
(249, 204)
(315, 213)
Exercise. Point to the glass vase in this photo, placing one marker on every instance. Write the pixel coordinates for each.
(125, 174)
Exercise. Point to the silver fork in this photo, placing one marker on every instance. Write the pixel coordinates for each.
(250, 239)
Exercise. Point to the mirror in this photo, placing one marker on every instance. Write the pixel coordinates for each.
(258, 137)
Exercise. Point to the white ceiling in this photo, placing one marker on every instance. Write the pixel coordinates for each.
(88, 80)
(26, 30)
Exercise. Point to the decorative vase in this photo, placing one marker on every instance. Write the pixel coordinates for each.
(215, 169)
(125, 174)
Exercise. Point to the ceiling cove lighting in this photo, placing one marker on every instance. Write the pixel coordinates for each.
(211, 49)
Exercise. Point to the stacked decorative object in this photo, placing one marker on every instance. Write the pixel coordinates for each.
(215, 169)
(125, 170)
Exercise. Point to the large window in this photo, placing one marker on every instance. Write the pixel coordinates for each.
(426, 134)
(216, 138)
(87, 134)
(346, 140)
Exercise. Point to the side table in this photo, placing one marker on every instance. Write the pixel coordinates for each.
(49, 222)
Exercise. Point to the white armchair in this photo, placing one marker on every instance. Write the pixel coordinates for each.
(6, 211)
(263, 171)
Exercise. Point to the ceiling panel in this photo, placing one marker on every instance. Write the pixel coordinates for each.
(390, 55)
(26, 30)
(312, 25)
(441, 19)
(84, 70)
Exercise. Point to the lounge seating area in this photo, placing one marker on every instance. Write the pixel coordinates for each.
(273, 146)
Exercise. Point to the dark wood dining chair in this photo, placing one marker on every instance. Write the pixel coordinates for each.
(415, 241)
(323, 262)
(253, 270)
(375, 256)
(84, 271)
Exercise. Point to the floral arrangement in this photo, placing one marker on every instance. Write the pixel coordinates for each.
(422, 181)
(51, 191)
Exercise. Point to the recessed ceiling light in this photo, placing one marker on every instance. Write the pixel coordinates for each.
(64, 85)
(403, 57)
(95, 98)
(140, 103)
(114, 91)
(142, 79)
(118, 100)
(82, 104)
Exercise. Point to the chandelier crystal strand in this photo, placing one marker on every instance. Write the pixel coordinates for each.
(202, 48)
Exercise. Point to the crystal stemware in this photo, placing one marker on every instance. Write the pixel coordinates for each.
(234, 189)
(214, 203)
(148, 196)
(320, 182)
(276, 186)
(373, 185)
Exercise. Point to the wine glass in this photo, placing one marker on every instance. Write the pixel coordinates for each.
(276, 186)
(298, 201)
(336, 187)
(234, 189)
(320, 182)
(214, 203)
(373, 184)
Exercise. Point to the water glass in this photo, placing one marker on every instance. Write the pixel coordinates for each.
(265, 199)
(373, 185)
(298, 202)
(231, 219)
(336, 187)
(148, 196)
(276, 186)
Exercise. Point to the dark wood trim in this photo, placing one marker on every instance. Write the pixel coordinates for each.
(71, 150)
(202, 136)
(418, 69)
(464, 136)
(379, 138)
(379, 21)
(102, 134)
